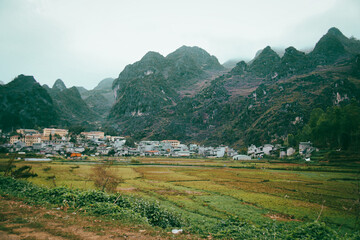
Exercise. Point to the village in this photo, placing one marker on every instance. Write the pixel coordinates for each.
(52, 142)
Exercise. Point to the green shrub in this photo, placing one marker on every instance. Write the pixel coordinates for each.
(313, 230)
(115, 212)
(96, 202)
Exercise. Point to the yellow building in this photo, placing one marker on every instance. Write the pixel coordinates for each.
(53, 131)
(27, 131)
(31, 139)
(16, 138)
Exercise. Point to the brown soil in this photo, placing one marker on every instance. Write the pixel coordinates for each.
(22, 221)
(281, 217)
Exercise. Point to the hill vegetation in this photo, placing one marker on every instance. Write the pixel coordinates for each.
(101, 98)
(257, 102)
(25, 104)
(71, 108)
(187, 95)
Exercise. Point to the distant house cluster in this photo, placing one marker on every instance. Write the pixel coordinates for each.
(305, 149)
(54, 141)
(174, 148)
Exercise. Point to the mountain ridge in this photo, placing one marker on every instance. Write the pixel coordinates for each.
(269, 92)
(25, 104)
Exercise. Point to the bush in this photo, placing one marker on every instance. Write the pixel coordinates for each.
(115, 212)
(96, 202)
(313, 230)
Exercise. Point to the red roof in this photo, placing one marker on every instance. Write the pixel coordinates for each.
(75, 155)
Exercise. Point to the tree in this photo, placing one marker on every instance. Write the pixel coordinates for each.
(290, 140)
(130, 142)
(23, 172)
(111, 152)
(338, 127)
(105, 178)
(57, 136)
(76, 129)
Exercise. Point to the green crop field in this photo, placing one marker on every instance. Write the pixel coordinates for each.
(207, 191)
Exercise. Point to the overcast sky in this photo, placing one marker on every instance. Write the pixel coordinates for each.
(85, 41)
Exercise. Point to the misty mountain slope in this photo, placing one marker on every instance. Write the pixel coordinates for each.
(154, 84)
(265, 63)
(273, 111)
(70, 107)
(99, 104)
(334, 47)
(58, 86)
(257, 102)
(101, 98)
(82, 90)
(105, 84)
(25, 104)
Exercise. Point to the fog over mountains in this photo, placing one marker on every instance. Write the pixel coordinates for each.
(188, 95)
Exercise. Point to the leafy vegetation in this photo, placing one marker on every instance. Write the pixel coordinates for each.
(140, 211)
(253, 200)
(25, 104)
(9, 169)
(96, 202)
(104, 178)
(258, 102)
(338, 127)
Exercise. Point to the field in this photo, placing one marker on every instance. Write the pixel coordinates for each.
(205, 191)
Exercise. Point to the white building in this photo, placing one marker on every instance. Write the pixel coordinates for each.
(267, 149)
(93, 135)
(290, 151)
(242, 157)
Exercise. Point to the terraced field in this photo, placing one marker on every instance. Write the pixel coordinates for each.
(206, 191)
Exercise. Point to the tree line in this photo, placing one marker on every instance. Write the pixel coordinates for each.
(336, 128)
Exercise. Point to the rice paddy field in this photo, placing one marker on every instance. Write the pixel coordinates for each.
(207, 190)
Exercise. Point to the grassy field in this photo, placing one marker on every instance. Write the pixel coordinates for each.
(205, 190)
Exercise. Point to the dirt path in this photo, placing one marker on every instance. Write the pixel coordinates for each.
(22, 221)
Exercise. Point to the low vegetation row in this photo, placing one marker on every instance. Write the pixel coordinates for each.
(138, 211)
(94, 202)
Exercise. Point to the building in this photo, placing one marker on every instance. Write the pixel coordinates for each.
(255, 152)
(115, 138)
(93, 135)
(174, 143)
(31, 139)
(75, 155)
(16, 138)
(220, 152)
(290, 151)
(27, 131)
(52, 131)
(267, 148)
(241, 157)
(182, 154)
